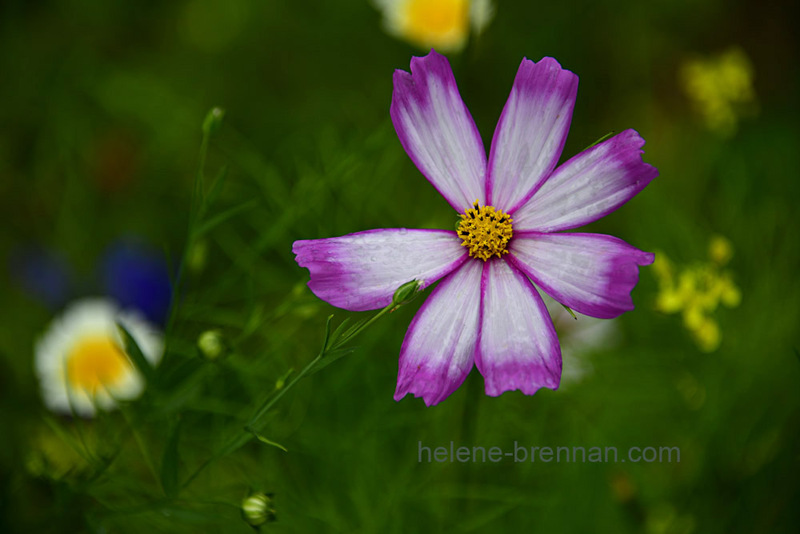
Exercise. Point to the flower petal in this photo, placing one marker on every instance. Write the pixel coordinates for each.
(439, 347)
(531, 131)
(589, 186)
(517, 346)
(437, 131)
(361, 271)
(591, 273)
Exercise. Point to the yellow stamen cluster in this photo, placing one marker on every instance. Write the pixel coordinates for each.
(697, 291)
(485, 231)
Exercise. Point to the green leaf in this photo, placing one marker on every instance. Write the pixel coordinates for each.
(220, 218)
(135, 353)
(569, 310)
(169, 462)
(331, 340)
(606, 136)
(216, 187)
(352, 330)
(266, 441)
(327, 335)
(340, 336)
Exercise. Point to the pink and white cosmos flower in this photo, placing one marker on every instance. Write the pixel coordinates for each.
(487, 310)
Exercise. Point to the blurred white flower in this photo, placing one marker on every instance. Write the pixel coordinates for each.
(441, 24)
(81, 360)
(579, 338)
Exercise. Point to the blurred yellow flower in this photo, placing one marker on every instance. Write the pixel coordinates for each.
(721, 88)
(720, 250)
(697, 291)
(441, 24)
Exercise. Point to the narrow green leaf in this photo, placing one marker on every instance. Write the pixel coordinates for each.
(606, 136)
(266, 441)
(569, 310)
(216, 187)
(238, 441)
(350, 331)
(135, 353)
(220, 218)
(169, 462)
(336, 333)
(327, 335)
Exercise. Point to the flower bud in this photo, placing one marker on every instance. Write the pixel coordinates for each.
(213, 120)
(197, 257)
(257, 509)
(407, 292)
(211, 344)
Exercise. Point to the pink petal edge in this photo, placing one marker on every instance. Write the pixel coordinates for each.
(439, 348)
(518, 348)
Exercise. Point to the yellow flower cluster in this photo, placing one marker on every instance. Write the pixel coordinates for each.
(720, 88)
(696, 291)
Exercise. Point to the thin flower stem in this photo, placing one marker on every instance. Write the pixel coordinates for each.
(196, 212)
(272, 400)
(239, 440)
(365, 325)
(140, 443)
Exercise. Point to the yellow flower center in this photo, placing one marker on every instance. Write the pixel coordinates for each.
(485, 231)
(437, 21)
(96, 363)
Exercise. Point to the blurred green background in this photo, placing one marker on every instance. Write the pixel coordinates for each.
(101, 106)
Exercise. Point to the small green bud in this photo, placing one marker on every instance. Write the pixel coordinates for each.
(282, 380)
(211, 344)
(406, 293)
(197, 257)
(257, 509)
(213, 120)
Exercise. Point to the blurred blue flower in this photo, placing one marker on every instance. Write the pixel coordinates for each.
(136, 276)
(129, 271)
(42, 273)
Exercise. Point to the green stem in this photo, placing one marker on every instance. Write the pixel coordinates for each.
(364, 326)
(270, 402)
(196, 212)
(250, 428)
(140, 443)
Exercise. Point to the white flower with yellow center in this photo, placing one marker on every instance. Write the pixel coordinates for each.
(441, 24)
(81, 360)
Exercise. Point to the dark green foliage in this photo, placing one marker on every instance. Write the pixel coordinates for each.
(103, 107)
